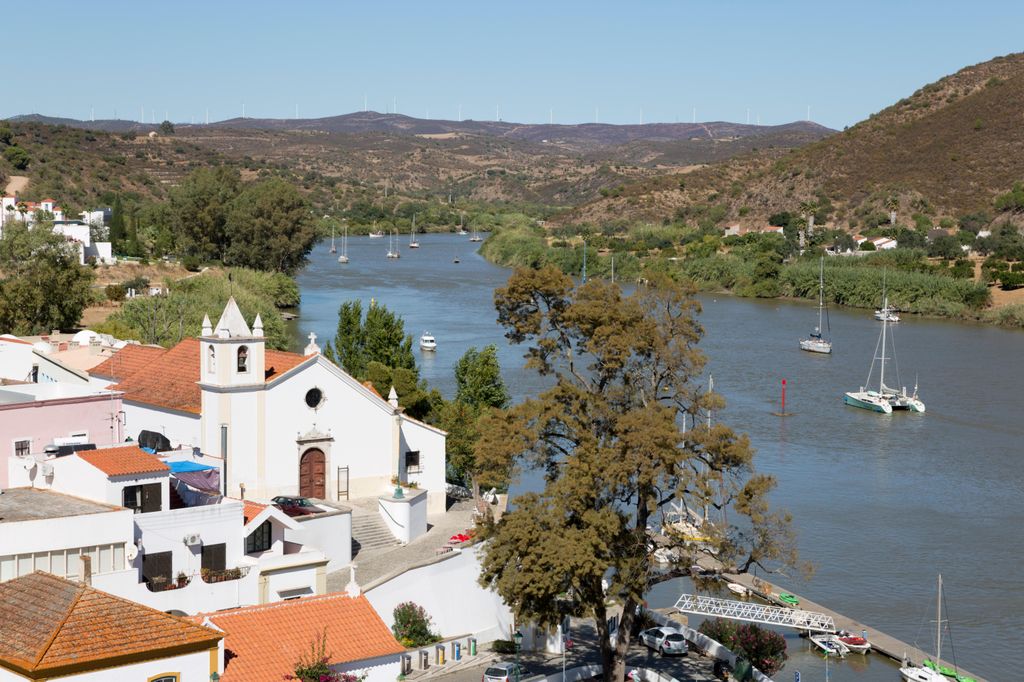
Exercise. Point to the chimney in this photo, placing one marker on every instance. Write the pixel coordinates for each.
(352, 589)
(86, 568)
(393, 398)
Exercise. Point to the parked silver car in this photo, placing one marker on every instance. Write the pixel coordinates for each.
(504, 672)
(665, 641)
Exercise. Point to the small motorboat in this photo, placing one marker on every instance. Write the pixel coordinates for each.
(854, 643)
(666, 555)
(428, 342)
(736, 588)
(788, 599)
(830, 644)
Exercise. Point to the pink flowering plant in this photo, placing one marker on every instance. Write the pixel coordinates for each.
(412, 625)
(765, 649)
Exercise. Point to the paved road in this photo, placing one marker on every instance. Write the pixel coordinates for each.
(692, 667)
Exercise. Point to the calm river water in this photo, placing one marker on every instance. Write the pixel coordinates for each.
(882, 503)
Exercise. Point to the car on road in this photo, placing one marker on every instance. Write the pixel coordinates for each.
(504, 672)
(665, 641)
(296, 506)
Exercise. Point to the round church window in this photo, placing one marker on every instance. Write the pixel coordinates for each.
(314, 397)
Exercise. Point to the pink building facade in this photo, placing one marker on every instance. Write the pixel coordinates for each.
(33, 416)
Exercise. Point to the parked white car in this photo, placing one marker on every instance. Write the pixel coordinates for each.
(665, 641)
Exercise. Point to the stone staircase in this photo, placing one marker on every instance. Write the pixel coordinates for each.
(369, 532)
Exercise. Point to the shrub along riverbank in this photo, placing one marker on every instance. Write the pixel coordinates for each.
(913, 283)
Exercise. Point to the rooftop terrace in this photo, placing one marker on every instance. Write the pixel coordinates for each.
(32, 504)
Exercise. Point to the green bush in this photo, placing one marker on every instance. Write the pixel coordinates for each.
(115, 292)
(503, 646)
(412, 625)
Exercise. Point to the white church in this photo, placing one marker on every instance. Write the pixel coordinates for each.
(280, 423)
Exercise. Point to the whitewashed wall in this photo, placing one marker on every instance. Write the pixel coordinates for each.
(431, 445)
(380, 669)
(181, 428)
(331, 533)
(449, 591)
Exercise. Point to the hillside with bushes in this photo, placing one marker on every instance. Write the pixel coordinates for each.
(946, 151)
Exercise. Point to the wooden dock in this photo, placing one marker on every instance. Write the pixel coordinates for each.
(880, 642)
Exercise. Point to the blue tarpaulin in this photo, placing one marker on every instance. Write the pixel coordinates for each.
(184, 467)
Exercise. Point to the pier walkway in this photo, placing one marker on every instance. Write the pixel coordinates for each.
(880, 642)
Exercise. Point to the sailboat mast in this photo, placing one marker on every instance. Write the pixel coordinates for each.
(885, 326)
(821, 290)
(938, 622)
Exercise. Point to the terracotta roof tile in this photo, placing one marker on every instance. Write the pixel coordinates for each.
(51, 624)
(127, 361)
(369, 385)
(170, 378)
(264, 642)
(124, 460)
(251, 510)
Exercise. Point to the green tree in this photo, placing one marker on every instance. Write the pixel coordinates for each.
(479, 387)
(43, 287)
(478, 379)
(17, 157)
(269, 227)
(385, 340)
(166, 128)
(607, 438)
(200, 206)
(349, 340)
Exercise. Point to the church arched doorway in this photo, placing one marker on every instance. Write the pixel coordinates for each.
(313, 474)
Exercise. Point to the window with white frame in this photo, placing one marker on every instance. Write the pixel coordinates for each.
(64, 563)
(22, 447)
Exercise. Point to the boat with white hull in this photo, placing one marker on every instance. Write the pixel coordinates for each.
(428, 342)
(815, 342)
(830, 644)
(885, 399)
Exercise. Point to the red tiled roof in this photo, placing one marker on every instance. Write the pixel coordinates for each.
(369, 385)
(122, 461)
(170, 378)
(54, 627)
(265, 641)
(127, 361)
(251, 510)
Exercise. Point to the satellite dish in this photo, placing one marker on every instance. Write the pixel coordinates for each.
(29, 464)
(131, 552)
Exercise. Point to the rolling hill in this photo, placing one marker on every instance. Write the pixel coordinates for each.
(946, 150)
(355, 155)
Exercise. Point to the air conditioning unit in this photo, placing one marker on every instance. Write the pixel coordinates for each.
(192, 539)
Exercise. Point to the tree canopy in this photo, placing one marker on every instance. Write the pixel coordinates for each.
(609, 440)
(43, 286)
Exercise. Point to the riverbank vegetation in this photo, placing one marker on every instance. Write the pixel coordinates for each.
(771, 265)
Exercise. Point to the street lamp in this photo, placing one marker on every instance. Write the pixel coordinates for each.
(518, 639)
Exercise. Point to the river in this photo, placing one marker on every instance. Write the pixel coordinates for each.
(882, 503)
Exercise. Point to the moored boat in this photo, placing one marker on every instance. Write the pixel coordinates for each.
(815, 342)
(830, 644)
(736, 588)
(885, 399)
(854, 643)
(428, 342)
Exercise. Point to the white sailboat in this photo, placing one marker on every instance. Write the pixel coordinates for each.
(931, 671)
(462, 229)
(334, 249)
(392, 249)
(476, 237)
(816, 343)
(413, 244)
(885, 399)
(375, 233)
(343, 258)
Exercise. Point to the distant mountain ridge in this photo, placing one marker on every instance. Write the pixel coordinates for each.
(578, 137)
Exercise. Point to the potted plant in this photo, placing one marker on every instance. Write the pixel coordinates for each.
(182, 579)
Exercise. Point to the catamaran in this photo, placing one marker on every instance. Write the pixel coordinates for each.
(885, 399)
(816, 343)
(343, 258)
(413, 244)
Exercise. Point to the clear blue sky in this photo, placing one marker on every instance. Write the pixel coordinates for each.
(846, 60)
